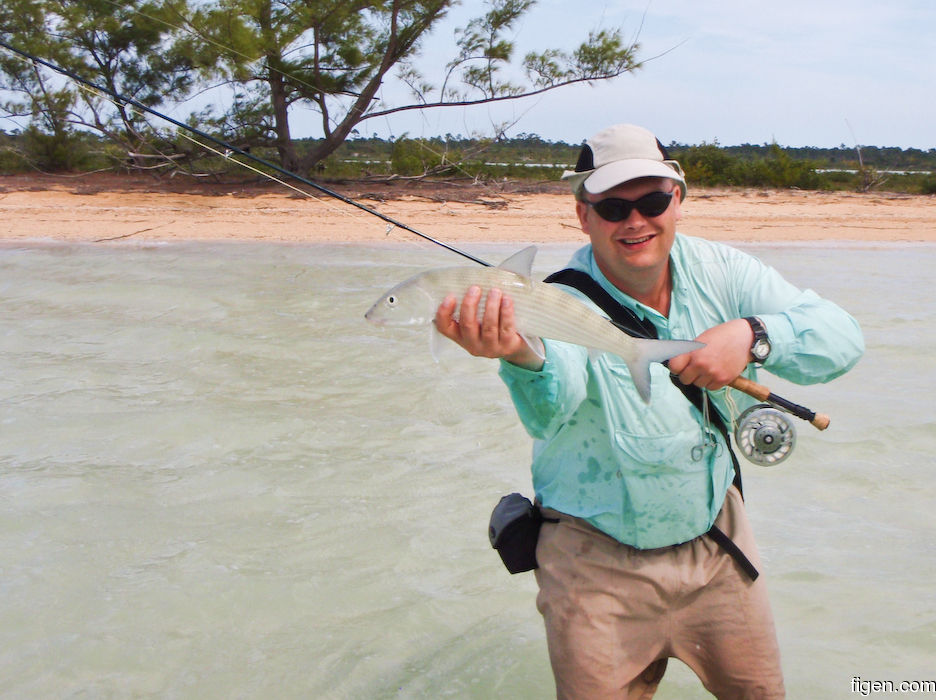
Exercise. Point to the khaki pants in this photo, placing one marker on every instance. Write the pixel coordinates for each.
(614, 614)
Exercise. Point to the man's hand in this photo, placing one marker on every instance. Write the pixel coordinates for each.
(726, 353)
(494, 336)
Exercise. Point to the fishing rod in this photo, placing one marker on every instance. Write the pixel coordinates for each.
(742, 384)
(230, 148)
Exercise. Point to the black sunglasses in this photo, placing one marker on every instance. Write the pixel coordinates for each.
(652, 204)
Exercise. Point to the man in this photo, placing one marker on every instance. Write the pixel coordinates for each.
(630, 574)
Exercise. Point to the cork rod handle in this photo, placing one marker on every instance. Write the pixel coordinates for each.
(762, 393)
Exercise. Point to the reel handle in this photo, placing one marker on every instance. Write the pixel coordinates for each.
(762, 393)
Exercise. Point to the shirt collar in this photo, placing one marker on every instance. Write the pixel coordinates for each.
(585, 258)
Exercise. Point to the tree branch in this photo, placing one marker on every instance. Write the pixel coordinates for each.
(488, 100)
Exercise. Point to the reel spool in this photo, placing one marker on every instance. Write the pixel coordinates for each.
(765, 435)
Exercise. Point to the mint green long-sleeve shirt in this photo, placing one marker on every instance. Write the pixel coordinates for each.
(630, 469)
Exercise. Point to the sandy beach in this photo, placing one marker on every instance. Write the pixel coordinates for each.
(104, 209)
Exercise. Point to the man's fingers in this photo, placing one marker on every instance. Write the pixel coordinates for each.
(490, 325)
(468, 317)
(689, 376)
(486, 332)
(445, 317)
(507, 325)
(700, 372)
(677, 364)
(688, 369)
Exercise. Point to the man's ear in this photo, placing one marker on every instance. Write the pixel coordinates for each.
(581, 210)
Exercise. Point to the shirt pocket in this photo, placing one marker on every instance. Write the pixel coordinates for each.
(660, 454)
(669, 413)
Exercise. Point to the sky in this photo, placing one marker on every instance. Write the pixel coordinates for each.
(799, 73)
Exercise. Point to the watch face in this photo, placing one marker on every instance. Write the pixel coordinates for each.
(761, 349)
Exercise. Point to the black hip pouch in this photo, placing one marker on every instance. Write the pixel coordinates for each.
(514, 532)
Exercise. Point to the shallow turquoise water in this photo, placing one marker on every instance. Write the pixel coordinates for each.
(217, 480)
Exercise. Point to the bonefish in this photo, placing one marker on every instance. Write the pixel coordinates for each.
(540, 311)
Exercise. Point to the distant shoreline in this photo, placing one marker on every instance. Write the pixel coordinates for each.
(114, 209)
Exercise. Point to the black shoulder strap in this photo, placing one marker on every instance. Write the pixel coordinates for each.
(628, 322)
(623, 317)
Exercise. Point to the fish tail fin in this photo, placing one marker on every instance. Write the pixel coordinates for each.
(655, 351)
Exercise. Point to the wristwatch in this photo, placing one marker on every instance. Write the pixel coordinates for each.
(760, 348)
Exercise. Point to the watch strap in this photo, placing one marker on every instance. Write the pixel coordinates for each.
(760, 336)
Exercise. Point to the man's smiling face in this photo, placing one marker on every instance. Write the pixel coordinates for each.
(638, 246)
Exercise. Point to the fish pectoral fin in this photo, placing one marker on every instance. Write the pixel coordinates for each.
(521, 262)
(436, 340)
(535, 343)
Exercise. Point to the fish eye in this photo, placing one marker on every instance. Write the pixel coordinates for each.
(391, 300)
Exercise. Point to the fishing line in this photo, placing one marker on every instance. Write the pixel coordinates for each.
(758, 391)
(244, 154)
(190, 29)
(204, 37)
(226, 155)
(342, 212)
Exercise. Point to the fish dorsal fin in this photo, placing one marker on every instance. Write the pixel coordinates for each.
(520, 262)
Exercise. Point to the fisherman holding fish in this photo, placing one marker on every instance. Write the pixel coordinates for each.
(630, 570)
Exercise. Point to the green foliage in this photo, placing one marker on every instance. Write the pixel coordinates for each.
(603, 54)
(779, 169)
(706, 164)
(710, 165)
(329, 56)
(483, 50)
(124, 47)
(524, 157)
(332, 57)
(928, 185)
(66, 151)
(410, 157)
(58, 151)
(12, 159)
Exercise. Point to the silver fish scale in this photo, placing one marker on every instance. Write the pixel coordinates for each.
(539, 308)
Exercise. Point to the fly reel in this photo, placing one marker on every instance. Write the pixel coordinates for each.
(765, 435)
